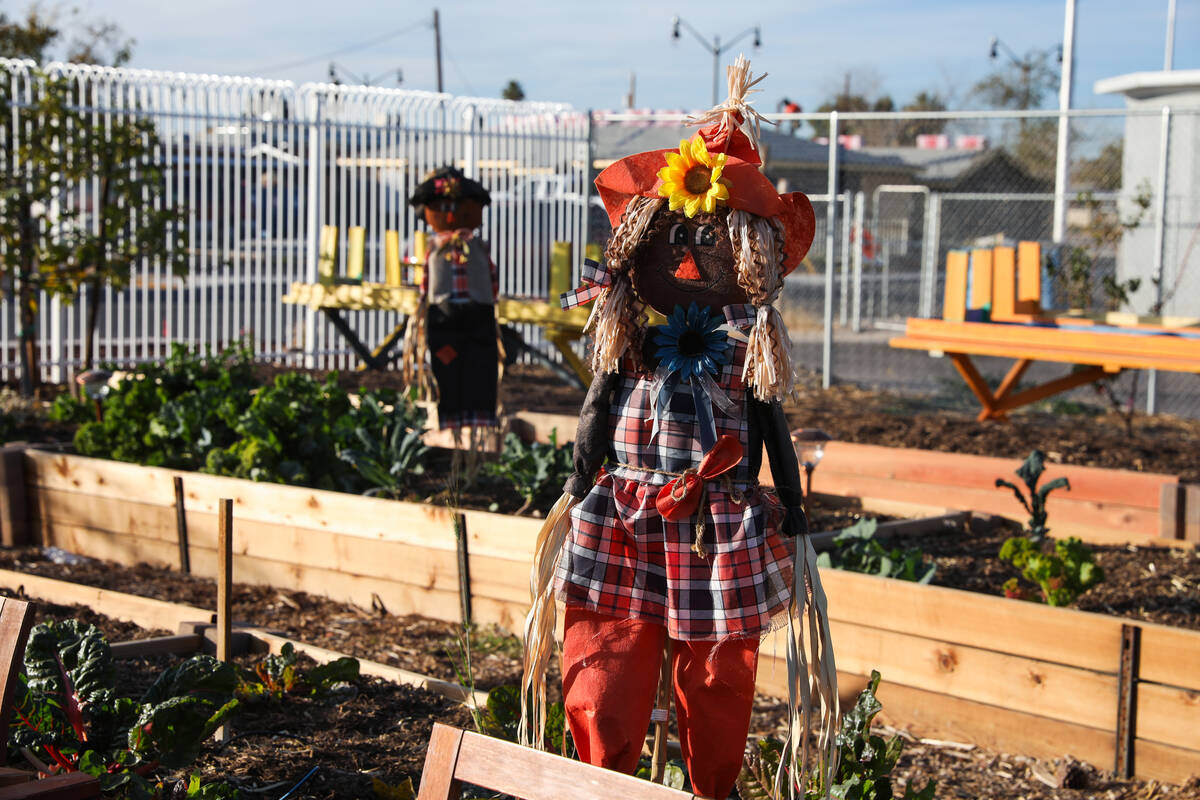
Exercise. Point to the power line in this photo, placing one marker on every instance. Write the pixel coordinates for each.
(340, 51)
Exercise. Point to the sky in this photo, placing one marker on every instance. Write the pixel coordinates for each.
(583, 53)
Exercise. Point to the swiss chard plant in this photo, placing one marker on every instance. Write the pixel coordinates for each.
(279, 675)
(387, 448)
(865, 762)
(856, 549)
(70, 719)
(1062, 574)
(1030, 472)
(534, 468)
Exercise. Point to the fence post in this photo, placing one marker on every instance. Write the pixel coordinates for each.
(844, 263)
(313, 217)
(1160, 244)
(14, 516)
(860, 202)
(830, 242)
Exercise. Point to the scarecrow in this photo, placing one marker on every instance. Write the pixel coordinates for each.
(456, 322)
(663, 539)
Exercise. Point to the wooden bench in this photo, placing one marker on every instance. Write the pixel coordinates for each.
(16, 619)
(456, 757)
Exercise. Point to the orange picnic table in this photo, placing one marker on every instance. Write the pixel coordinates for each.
(1100, 351)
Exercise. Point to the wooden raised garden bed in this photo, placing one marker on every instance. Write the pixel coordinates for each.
(1014, 676)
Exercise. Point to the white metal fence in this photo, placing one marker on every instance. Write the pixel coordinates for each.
(260, 166)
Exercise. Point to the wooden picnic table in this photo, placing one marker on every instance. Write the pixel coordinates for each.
(1099, 350)
(332, 299)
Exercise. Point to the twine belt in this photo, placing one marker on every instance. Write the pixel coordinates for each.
(735, 494)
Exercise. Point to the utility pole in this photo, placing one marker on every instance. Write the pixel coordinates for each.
(632, 96)
(715, 47)
(1066, 87)
(1169, 50)
(437, 47)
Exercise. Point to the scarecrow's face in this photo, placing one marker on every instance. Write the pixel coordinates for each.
(450, 215)
(684, 261)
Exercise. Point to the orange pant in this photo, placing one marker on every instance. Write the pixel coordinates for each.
(610, 677)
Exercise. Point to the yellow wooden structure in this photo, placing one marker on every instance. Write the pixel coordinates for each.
(1004, 318)
(332, 296)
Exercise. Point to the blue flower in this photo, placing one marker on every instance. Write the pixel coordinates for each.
(692, 343)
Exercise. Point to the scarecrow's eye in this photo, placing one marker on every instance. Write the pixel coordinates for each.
(706, 236)
(678, 234)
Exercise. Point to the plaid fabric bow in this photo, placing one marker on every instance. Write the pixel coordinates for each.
(596, 278)
(680, 498)
(457, 240)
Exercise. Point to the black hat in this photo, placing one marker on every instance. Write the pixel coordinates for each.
(449, 183)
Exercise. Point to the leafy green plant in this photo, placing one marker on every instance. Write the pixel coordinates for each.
(865, 761)
(856, 549)
(279, 675)
(532, 468)
(288, 434)
(1030, 472)
(388, 449)
(70, 715)
(172, 414)
(1063, 575)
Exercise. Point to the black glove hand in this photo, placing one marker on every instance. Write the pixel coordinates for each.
(795, 522)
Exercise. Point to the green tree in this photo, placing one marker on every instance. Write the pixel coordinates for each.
(1102, 173)
(513, 91)
(53, 156)
(911, 129)
(1023, 84)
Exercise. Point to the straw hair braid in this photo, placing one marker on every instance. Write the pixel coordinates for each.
(619, 318)
(758, 258)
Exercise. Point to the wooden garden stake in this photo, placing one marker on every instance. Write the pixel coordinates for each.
(660, 717)
(185, 562)
(464, 570)
(224, 589)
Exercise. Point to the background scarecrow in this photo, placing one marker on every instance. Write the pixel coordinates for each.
(456, 322)
(663, 536)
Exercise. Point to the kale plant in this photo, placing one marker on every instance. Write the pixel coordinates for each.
(856, 549)
(279, 675)
(865, 761)
(1030, 472)
(387, 448)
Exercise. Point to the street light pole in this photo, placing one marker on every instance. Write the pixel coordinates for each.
(715, 47)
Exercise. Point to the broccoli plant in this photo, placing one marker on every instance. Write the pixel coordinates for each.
(1063, 575)
(1031, 472)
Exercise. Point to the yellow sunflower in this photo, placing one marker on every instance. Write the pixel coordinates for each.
(692, 178)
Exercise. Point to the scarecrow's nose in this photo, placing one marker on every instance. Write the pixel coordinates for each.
(687, 268)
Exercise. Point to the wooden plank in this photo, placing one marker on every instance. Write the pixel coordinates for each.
(71, 786)
(16, 620)
(352, 515)
(1165, 763)
(1171, 511)
(1052, 337)
(537, 775)
(1191, 514)
(1004, 283)
(981, 278)
(975, 381)
(1111, 522)
(1168, 716)
(224, 578)
(392, 271)
(356, 242)
(1029, 277)
(14, 522)
(441, 757)
(327, 254)
(144, 611)
(502, 535)
(1054, 690)
(158, 645)
(935, 715)
(1110, 361)
(954, 303)
(1169, 656)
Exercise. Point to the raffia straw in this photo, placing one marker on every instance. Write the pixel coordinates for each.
(812, 676)
(414, 355)
(741, 85)
(540, 622)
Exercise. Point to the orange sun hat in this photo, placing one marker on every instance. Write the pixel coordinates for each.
(718, 166)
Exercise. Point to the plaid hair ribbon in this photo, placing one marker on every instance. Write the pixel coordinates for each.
(596, 278)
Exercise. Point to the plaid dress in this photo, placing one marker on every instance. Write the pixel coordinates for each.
(623, 559)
